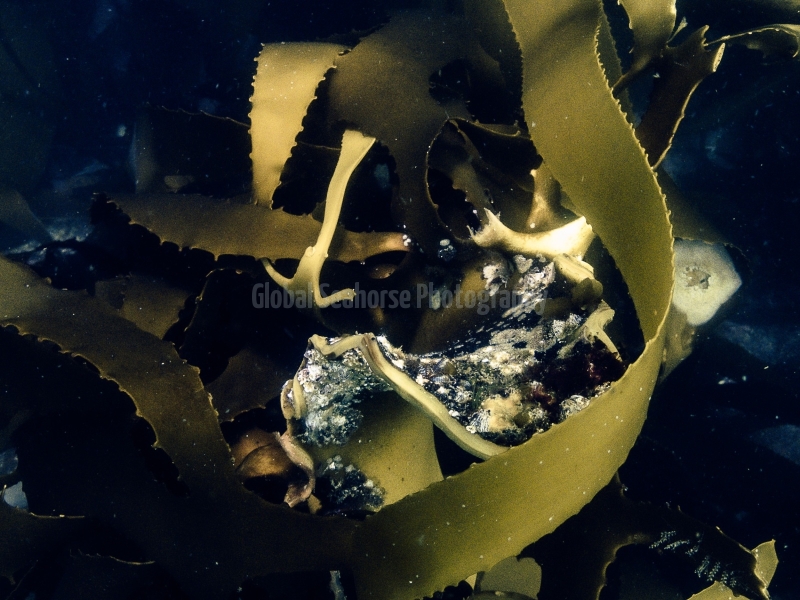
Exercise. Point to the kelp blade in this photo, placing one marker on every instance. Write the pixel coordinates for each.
(284, 86)
(766, 564)
(651, 22)
(218, 535)
(244, 229)
(780, 39)
(471, 521)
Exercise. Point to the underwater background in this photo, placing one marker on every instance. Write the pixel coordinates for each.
(722, 439)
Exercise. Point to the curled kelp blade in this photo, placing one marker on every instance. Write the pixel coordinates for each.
(680, 69)
(652, 23)
(151, 303)
(781, 40)
(284, 85)
(240, 534)
(471, 521)
(27, 536)
(766, 564)
(574, 558)
(244, 229)
(383, 87)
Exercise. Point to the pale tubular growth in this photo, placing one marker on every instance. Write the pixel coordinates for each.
(404, 386)
(587, 289)
(572, 239)
(593, 329)
(355, 146)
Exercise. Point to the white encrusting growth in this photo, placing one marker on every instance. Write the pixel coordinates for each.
(705, 279)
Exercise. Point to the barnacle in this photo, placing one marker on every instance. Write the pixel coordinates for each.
(454, 190)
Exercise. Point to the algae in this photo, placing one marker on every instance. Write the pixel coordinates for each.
(553, 164)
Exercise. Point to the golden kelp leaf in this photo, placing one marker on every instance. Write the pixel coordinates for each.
(492, 165)
(607, 52)
(243, 229)
(489, 21)
(382, 88)
(285, 84)
(185, 534)
(241, 535)
(27, 536)
(575, 557)
(451, 155)
(393, 446)
(572, 239)
(152, 304)
(766, 561)
(766, 564)
(652, 23)
(507, 148)
(30, 305)
(609, 177)
(473, 520)
(546, 211)
(681, 70)
(781, 40)
(514, 574)
(251, 379)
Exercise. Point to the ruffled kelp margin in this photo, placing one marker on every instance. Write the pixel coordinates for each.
(496, 509)
(401, 100)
